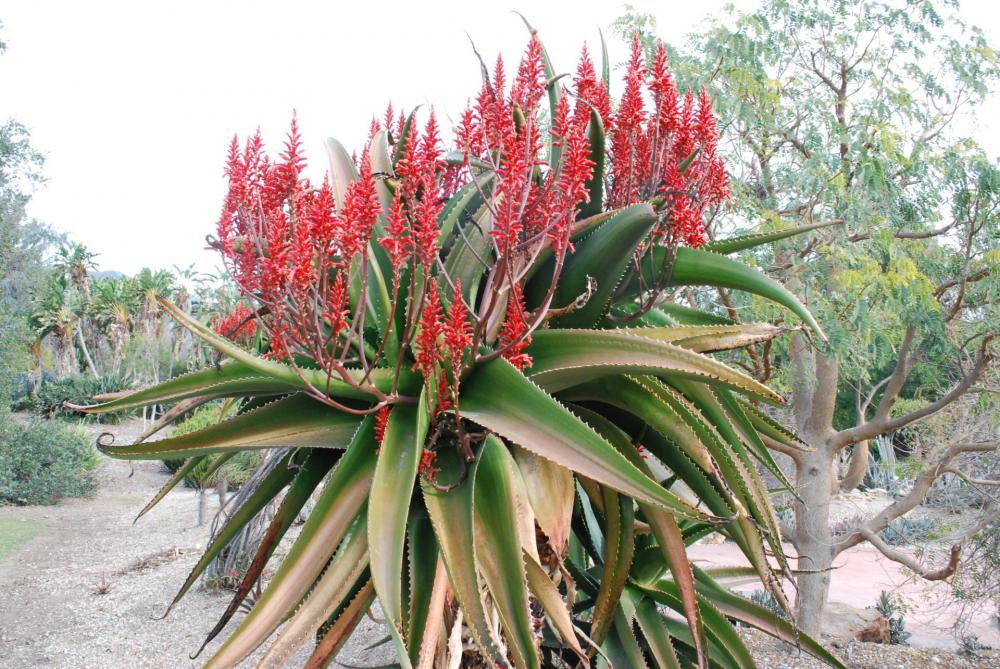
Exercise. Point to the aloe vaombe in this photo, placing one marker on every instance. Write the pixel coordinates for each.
(471, 362)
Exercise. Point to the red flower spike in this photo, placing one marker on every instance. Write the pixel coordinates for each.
(238, 326)
(428, 352)
(664, 93)
(425, 232)
(426, 467)
(590, 92)
(629, 149)
(430, 151)
(444, 400)
(512, 333)
(457, 330)
(381, 423)
(529, 85)
(389, 118)
(397, 241)
(361, 209)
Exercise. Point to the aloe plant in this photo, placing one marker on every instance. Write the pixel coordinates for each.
(471, 362)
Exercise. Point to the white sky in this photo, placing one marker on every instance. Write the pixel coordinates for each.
(134, 102)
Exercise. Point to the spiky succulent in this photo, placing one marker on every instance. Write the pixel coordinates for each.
(471, 362)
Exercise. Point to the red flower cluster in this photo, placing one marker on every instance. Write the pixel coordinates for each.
(669, 152)
(503, 132)
(239, 326)
(283, 242)
(326, 266)
(514, 335)
(381, 423)
(428, 353)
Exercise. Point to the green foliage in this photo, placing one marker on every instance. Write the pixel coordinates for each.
(42, 462)
(50, 401)
(767, 600)
(14, 532)
(908, 531)
(889, 606)
(236, 470)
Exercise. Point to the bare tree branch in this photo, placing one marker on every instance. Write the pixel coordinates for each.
(882, 423)
(921, 486)
(911, 563)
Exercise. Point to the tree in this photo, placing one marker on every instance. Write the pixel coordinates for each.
(75, 261)
(22, 243)
(113, 306)
(56, 319)
(846, 115)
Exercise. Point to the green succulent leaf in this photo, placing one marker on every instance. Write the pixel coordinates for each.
(268, 489)
(343, 498)
(603, 256)
(499, 398)
(296, 422)
(388, 507)
(499, 550)
(743, 242)
(564, 358)
(595, 185)
(451, 512)
(331, 590)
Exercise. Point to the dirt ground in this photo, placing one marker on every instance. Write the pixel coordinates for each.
(52, 612)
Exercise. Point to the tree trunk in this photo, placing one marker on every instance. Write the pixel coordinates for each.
(64, 354)
(814, 482)
(86, 352)
(202, 499)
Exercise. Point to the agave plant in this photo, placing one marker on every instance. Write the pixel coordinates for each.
(473, 363)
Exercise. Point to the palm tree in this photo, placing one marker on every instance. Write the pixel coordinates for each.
(113, 306)
(57, 319)
(147, 286)
(75, 261)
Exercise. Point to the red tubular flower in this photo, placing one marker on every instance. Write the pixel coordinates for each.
(529, 85)
(714, 183)
(430, 151)
(397, 241)
(381, 423)
(629, 149)
(574, 171)
(428, 353)
(361, 209)
(336, 310)
(426, 467)
(389, 118)
(457, 330)
(444, 397)
(664, 93)
(512, 333)
(590, 92)
(468, 134)
(425, 232)
(239, 326)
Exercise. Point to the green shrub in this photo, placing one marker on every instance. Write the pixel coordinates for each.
(43, 462)
(889, 606)
(908, 531)
(236, 470)
(50, 400)
(767, 600)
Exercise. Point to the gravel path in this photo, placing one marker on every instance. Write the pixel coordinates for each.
(51, 614)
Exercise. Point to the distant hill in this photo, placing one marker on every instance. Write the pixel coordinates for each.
(108, 274)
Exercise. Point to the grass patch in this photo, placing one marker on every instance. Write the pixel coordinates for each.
(14, 532)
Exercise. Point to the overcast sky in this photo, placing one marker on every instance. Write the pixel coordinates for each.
(134, 102)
